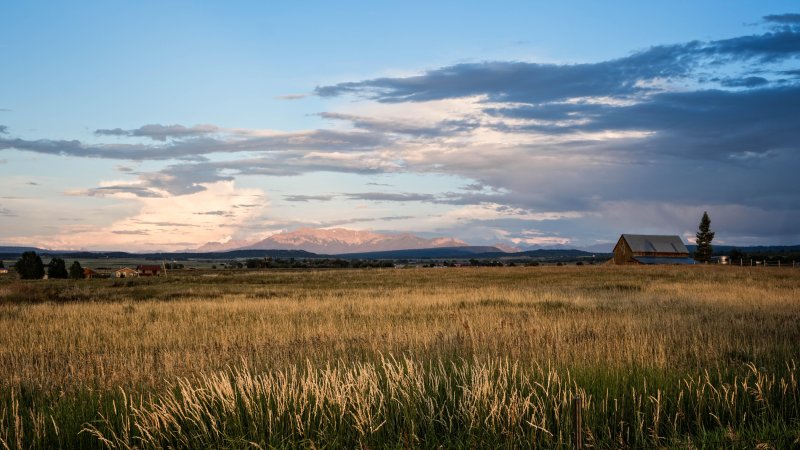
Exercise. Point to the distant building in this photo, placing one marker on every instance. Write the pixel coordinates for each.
(651, 249)
(3, 271)
(125, 272)
(150, 270)
(89, 273)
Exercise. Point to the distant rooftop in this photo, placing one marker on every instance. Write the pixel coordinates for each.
(646, 243)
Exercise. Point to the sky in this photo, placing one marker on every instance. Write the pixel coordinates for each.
(147, 126)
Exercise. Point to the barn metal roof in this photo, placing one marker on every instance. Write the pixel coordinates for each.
(663, 260)
(655, 243)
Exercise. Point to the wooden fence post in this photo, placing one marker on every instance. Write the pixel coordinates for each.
(577, 401)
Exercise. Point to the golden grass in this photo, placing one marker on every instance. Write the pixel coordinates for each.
(163, 336)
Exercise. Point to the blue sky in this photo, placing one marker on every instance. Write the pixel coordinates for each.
(165, 125)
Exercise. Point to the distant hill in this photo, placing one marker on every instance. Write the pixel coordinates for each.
(468, 252)
(233, 254)
(752, 250)
(217, 247)
(12, 252)
(18, 250)
(428, 253)
(553, 253)
(160, 256)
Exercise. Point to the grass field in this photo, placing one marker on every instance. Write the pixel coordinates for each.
(701, 357)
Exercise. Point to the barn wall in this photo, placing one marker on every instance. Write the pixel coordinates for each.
(622, 253)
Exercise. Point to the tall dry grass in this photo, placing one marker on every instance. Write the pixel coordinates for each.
(480, 357)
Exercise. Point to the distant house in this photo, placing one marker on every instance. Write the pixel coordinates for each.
(125, 272)
(3, 271)
(150, 271)
(89, 273)
(651, 249)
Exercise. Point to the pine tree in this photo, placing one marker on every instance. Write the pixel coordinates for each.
(704, 237)
(76, 271)
(57, 268)
(30, 266)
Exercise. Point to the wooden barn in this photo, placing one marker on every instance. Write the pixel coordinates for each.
(651, 249)
(150, 270)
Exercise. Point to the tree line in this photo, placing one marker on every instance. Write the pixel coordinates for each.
(31, 267)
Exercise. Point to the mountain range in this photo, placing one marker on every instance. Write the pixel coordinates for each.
(337, 241)
(311, 242)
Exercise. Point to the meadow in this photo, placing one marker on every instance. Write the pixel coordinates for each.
(663, 357)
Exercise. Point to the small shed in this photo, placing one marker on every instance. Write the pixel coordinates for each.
(651, 249)
(125, 272)
(150, 270)
(89, 273)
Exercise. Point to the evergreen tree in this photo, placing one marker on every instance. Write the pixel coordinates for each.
(1, 264)
(76, 271)
(57, 269)
(30, 266)
(704, 237)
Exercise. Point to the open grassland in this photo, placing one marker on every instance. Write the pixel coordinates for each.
(467, 357)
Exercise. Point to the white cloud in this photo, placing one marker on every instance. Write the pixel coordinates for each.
(164, 223)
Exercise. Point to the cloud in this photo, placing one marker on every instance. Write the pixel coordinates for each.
(441, 128)
(292, 96)
(307, 198)
(165, 224)
(447, 198)
(132, 232)
(499, 82)
(212, 213)
(748, 82)
(5, 212)
(32, 183)
(161, 133)
(173, 219)
(103, 191)
(783, 19)
(473, 187)
(703, 124)
(389, 218)
(534, 83)
(192, 148)
(3, 129)
(391, 197)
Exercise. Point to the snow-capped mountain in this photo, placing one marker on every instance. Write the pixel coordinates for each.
(341, 240)
(210, 247)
